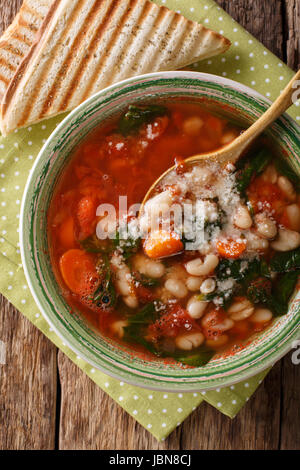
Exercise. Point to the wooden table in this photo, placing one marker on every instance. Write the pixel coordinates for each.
(46, 402)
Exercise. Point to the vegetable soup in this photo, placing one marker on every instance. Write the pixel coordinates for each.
(210, 259)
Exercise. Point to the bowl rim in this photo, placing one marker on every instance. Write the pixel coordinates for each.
(156, 384)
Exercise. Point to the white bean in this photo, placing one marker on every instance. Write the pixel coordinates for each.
(164, 197)
(193, 283)
(208, 286)
(240, 309)
(192, 125)
(189, 341)
(210, 320)
(293, 213)
(226, 325)
(155, 269)
(242, 218)
(228, 137)
(124, 282)
(265, 226)
(117, 328)
(149, 267)
(177, 288)
(261, 315)
(131, 301)
(123, 286)
(256, 243)
(197, 267)
(201, 174)
(157, 206)
(287, 188)
(270, 174)
(287, 240)
(196, 307)
(217, 342)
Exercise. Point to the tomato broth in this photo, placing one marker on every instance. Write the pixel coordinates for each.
(151, 292)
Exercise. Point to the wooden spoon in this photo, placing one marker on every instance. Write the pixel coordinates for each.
(231, 152)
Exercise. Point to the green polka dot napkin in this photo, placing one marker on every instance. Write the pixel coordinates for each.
(248, 62)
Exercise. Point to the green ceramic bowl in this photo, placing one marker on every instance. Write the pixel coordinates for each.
(228, 98)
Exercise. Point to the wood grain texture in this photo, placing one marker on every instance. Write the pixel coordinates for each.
(28, 380)
(88, 418)
(290, 413)
(262, 18)
(249, 430)
(291, 11)
(8, 10)
(27, 384)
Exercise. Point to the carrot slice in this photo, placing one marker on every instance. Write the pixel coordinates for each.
(231, 248)
(66, 233)
(160, 244)
(79, 272)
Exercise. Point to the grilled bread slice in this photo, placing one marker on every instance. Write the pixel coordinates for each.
(19, 37)
(86, 45)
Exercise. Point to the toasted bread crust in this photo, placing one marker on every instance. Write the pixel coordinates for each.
(16, 41)
(82, 46)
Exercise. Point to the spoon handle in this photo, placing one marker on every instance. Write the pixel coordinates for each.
(282, 103)
(233, 151)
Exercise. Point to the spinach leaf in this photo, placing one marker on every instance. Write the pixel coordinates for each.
(93, 244)
(224, 297)
(137, 325)
(197, 359)
(282, 291)
(136, 116)
(253, 166)
(229, 269)
(275, 296)
(144, 317)
(209, 227)
(105, 295)
(284, 169)
(144, 280)
(259, 290)
(127, 246)
(286, 261)
(136, 330)
(241, 271)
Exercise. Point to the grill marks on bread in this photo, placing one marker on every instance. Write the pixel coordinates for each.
(17, 40)
(85, 45)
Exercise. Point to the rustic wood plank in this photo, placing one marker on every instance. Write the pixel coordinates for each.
(291, 10)
(90, 419)
(261, 18)
(290, 415)
(249, 430)
(27, 384)
(28, 380)
(8, 10)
